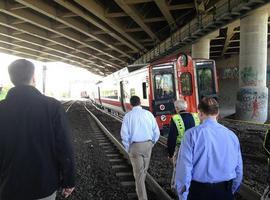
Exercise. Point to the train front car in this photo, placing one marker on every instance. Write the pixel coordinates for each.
(162, 92)
(179, 76)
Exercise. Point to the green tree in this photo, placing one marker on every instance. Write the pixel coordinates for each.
(3, 93)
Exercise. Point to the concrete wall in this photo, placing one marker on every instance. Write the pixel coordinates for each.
(228, 73)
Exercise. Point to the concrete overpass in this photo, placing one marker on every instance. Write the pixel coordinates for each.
(106, 35)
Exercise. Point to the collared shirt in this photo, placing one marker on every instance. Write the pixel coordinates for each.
(209, 153)
(139, 125)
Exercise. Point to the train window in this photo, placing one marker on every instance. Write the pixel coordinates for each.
(205, 81)
(186, 84)
(144, 90)
(111, 94)
(164, 88)
(132, 92)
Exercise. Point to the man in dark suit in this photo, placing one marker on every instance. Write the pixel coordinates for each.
(36, 155)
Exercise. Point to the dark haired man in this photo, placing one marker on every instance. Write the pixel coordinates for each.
(36, 155)
(209, 164)
(139, 133)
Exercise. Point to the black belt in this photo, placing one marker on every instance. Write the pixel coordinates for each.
(224, 184)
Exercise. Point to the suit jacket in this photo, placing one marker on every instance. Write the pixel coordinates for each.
(36, 155)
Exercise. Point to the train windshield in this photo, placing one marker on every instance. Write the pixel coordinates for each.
(164, 83)
(206, 79)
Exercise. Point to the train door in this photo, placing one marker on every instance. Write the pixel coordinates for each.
(122, 96)
(186, 81)
(206, 78)
(163, 93)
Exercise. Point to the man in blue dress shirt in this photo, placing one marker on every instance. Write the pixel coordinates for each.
(209, 165)
(139, 133)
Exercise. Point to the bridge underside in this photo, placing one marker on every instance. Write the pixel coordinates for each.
(106, 36)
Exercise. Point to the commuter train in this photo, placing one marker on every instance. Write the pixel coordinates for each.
(158, 85)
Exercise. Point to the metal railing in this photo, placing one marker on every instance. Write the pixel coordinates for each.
(219, 15)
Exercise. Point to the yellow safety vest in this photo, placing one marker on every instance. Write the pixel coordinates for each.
(181, 126)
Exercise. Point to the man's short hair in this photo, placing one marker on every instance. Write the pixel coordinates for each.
(209, 106)
(135, 101)
(21, 71)
(180, 104)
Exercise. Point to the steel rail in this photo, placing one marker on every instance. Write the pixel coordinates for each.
(245, 191)
(69, 106)
(162, 140)
(150, 181)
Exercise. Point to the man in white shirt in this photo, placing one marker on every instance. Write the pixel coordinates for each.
(139, 133)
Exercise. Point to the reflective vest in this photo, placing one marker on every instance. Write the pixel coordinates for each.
(181, 126)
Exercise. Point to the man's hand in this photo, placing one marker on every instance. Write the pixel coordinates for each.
(67, 191)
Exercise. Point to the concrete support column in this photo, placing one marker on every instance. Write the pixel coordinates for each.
(252, 96)
(201, 49)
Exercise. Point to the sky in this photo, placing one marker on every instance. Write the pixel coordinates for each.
(61, 79)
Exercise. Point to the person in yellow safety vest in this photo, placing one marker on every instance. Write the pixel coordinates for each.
(180, 122)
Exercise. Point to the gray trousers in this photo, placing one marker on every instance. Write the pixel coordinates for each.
(175, 156)
(140, 154)
(51, 197)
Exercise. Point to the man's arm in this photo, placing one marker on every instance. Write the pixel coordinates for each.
(125, 134)
(239, 172)
(184, 166)
(156, 132)
(64, 149)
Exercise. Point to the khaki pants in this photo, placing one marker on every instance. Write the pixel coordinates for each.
(140, 154)
(175, 156)
(51, 197)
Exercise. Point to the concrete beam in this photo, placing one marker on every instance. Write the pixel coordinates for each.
(154, 19)
(131, 30)
(137, 1)
(132, 12)
(5, 49)
(50, 11)
(229, 35)
(99, 12)
(164, 8)
(47, 25)
(39, 44)
(116, 14)
(39, 51)
(44, 34)
(92, 20)
(182, 6)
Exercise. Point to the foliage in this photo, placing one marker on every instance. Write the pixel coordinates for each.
(3, 93)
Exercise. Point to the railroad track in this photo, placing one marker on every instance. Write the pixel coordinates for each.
(106, 139)
(245, 191)
(68, 104)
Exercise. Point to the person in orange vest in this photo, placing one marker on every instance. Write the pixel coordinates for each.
(180, 122)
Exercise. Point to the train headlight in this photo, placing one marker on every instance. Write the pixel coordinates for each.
(163, 118)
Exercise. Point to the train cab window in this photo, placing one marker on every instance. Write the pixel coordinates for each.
(186, 84)
(205, 81)
(164, 88)
(132, 92)
(144, 90)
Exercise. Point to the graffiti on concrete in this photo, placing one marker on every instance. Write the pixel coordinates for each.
(229, 73)
(249, 76)
(251, 102)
